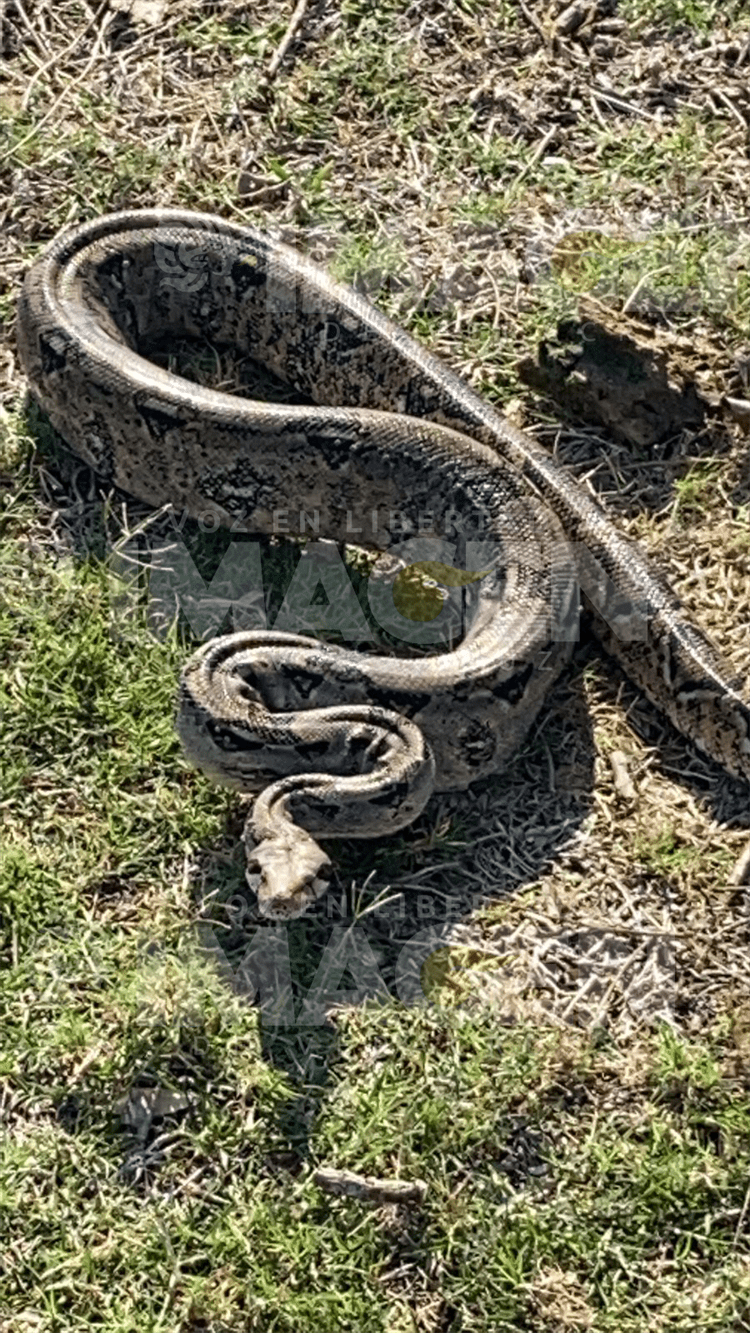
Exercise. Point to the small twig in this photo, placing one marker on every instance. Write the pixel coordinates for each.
(34, 33)
(538, 153)
(497, 306)
(740, 872)
(270, 191)
(741, 1219)
(718, 92)
(598, 112)
(621, 103)
(285, 43)
(368, 1187)
(532, 21)
(652, 273)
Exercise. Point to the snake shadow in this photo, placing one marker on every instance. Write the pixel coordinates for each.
(393, 900)
(465, 848)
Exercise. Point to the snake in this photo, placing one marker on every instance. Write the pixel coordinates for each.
(334, 739)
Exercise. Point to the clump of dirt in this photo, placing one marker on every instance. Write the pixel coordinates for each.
(643, 383)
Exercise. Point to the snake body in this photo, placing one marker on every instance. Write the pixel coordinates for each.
(335, 740)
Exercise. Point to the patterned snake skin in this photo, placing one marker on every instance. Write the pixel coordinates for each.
(339, 742)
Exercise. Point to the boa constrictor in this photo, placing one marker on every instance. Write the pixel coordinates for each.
(339, 742)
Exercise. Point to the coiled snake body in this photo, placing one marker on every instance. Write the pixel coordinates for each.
(337, 741)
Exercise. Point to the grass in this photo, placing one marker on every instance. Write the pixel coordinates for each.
(694, 490)
(574, 1090)
(502, 1130)
(565, 1169)
(234, 38)
(697, 15)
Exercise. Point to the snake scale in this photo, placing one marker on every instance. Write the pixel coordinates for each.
(334, 740)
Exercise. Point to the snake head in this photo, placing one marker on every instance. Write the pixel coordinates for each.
(287, 870)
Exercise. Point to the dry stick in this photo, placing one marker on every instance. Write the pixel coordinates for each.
(537, 154)
(741, 1222)
(621, 103)
(286, 41)
(35, 36)
(368, 1187)
(717, 92)
(498, 303)
(532, 21)
(740, 872)
(598, 112)
(645, 277)
(92, 11)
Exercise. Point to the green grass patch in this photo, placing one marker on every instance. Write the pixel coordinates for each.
(695, 491)
(700, 16)
(235, 37)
